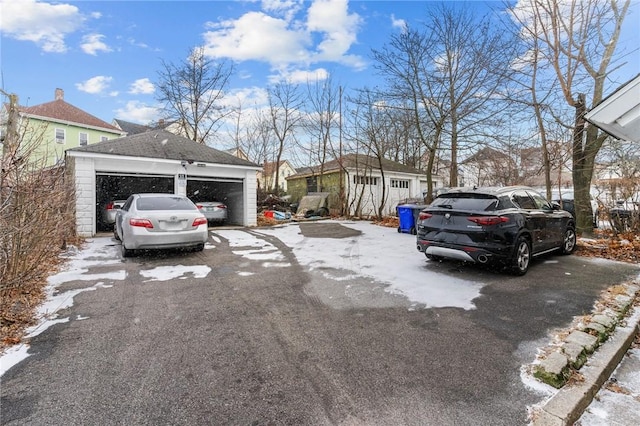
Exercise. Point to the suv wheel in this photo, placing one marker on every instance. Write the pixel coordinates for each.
(521, 257)
(568, 241)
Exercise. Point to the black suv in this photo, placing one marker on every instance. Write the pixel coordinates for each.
(507, 225)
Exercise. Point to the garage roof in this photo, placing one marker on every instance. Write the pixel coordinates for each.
(164, 145)
(356, 161)
(619, 113)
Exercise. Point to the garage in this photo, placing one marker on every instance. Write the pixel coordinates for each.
(158, 161)
(118, 186)
(227, 191)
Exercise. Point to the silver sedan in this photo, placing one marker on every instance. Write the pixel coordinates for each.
(160, 221)
(214, 211)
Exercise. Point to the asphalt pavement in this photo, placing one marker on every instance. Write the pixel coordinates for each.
(220, 338)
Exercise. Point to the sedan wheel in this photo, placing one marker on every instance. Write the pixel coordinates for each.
(127, 252)
(569, 241)
(522, 257)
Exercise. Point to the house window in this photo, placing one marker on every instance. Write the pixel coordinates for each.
(84, 139)
(312, 184)
(399, 183)
(103, 138)
(365, 180)
(59, 135)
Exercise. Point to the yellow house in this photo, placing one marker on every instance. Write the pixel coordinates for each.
(57, 126)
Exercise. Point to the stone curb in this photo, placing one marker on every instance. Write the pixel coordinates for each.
(566, 406)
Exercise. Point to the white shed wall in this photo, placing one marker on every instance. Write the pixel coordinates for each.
(373, 193)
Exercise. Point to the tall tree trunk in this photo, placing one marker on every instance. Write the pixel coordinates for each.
(582, 170)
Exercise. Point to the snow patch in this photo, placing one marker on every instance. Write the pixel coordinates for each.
(403, 269)
(165, 273)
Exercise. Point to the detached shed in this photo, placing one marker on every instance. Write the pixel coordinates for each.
(159, 161)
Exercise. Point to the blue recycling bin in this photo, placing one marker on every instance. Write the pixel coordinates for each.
(408, 217)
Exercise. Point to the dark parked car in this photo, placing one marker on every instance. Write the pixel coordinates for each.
(506, 226)
(625, 215)
(566, 201)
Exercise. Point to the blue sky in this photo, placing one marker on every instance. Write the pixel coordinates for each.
(106, 55)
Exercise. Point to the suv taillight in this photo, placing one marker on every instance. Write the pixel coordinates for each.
(424, 215)
(488, 220)
(109, 206)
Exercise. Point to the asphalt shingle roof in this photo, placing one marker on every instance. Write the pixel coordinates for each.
(353, 161)
(131, 128)
(164, 145)
(64, 111)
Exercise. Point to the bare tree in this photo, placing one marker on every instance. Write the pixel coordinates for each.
(405, 64)
(372, 132)
(321, 123)
(449, 73)
(191, 92)
(470, 60)
(578, 40)
(285, 105)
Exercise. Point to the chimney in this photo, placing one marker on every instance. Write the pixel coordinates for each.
(161, 123)
(59, 95)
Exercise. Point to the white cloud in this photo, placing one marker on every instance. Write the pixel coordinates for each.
(398, 23)
(340, 29)
(95, 85)
(92, 44)
(45, 24)
(257, 36)
(300, 76)
(138, 112)
(248, 97)
(286, 8)
(283, 41)
(142, 86)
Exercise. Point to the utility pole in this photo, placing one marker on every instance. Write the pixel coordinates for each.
(341, 196)
(9, 148)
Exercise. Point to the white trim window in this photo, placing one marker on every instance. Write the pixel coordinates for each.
(103, 138)
(365, 180)
(60, 135)
(400, 183)
(83, 138)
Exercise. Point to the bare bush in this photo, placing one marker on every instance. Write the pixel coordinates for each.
(37, 219)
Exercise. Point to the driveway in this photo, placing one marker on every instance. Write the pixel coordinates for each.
(306, 324)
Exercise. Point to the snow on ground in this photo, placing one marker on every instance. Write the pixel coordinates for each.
(98, 251)
(379, 253)
(165, 273)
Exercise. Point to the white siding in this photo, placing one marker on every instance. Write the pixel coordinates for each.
(373, 193)
(85, 176)
(250, 207)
